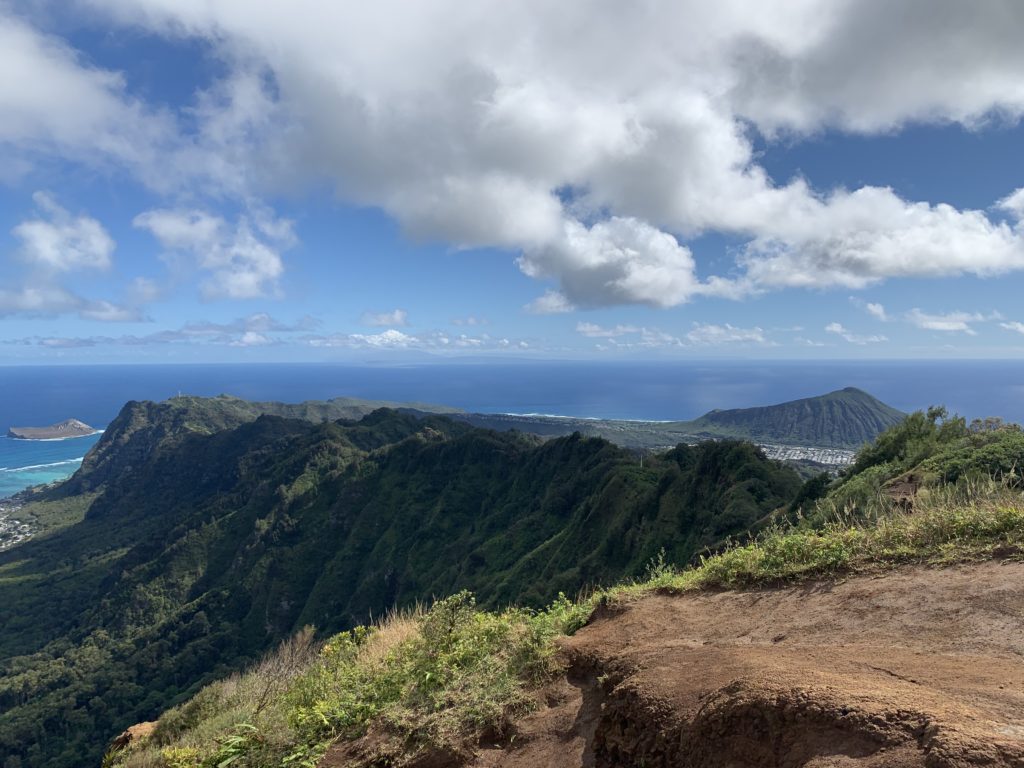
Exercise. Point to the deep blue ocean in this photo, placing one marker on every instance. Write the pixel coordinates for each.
(33, 396)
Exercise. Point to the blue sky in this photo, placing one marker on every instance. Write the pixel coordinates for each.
(191, 181)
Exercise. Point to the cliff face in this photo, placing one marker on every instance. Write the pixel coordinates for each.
(919, 667)
(67, 428)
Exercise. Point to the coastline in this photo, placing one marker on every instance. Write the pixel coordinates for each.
(51, 439)
(28, 463)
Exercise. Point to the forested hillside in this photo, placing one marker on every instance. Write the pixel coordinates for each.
(196, 536)
(456, 685)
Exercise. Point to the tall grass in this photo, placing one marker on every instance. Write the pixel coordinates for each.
(428, 679)
(955, 523)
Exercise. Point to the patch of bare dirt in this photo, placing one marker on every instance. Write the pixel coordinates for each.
(132, 736)
(917, 667)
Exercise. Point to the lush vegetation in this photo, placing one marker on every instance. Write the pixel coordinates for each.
(425, 681)
(204, 546)
(929, 449)
(201, 549)
(438, 681)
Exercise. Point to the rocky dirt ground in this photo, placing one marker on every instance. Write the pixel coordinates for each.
(914, 667)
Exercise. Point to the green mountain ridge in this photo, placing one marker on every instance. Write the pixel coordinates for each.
(428, 687)
(200, 532)
(847, 419)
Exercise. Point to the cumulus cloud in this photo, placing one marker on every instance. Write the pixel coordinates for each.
(45, 300)
(710, 333)
(48, 300)
(804, 342)
(54, 246)
(877, 311)
(618, 261)
(432, 341)
(1014, 325)
(396, 318)
(252, 339)
(243, 260)
(550, 303)
(480, 127)
(1013, 204)
(701, 334)
(854, 338)
(594, 331)
(949, 322)
(55, 103)
(60, 242)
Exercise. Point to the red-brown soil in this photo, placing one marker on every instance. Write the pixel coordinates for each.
(914, 667)
(917, 667)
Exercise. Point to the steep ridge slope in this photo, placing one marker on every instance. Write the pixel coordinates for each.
(916, 667)
(205, 546)
(145, 426)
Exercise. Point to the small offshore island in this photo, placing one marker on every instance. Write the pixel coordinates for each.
(66, 428)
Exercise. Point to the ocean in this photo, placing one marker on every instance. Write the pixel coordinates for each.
(41, 395)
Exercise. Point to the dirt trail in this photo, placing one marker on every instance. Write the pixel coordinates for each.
(917, 667)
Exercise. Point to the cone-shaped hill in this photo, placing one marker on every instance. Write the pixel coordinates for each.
(847, 417)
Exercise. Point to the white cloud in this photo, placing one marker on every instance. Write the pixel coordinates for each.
(481, 127)
(252, 339)
(875, 310)
(109, 312)
(550, 303)
(808, 342)
(1013, 326)
(48, 300)
(44, 300)
(243, 260)
(1013, 204)
(618, 261)
(853, 338)
(53, 102)
(433, 341)
(54, 245)
(594, 331)
(389, 339)
(396, 318)
(701, 334)
(725, 334)
(60, 242)
(950, 322)
(856, 239)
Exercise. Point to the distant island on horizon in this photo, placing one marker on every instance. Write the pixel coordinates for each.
(60, 431)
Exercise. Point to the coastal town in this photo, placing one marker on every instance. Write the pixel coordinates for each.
(836, 458)
(12, 530)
